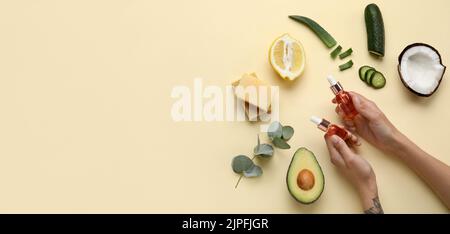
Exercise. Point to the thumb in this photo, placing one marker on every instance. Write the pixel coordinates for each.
(363, 106)
(342, 148)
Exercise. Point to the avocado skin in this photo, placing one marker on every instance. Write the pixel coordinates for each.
(287, 175)
(375, 29)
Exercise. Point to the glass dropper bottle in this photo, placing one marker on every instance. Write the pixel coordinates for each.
(333, 129)
(343, 98)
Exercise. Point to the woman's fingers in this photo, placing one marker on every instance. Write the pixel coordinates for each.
(342, 148)
(335, 157)
(349, 124)
(351, 128)
(365, 107)
(354, 139)
(339, 111)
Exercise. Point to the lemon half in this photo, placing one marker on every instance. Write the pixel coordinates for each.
(287, 57)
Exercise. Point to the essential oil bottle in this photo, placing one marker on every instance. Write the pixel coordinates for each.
(331, 129)
(343, 98)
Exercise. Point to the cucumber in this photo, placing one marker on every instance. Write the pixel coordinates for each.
(375, 30)
(362, 72)
(372, 77)
(346, 65)
(336, 51)
(368, 76)
(346, 53)
(326, 38)
(377, 80)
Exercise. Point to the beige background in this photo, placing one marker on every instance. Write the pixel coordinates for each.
(85, 102)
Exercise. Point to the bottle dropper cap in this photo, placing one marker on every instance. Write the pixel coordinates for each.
(322, 124)
(335, 86)
(316, 120)
(331, 80)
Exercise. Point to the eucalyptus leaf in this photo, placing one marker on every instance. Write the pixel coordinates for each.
(275, 130)
(280, 143)
(263, 150)
(288, 132)
(241, 163)
(254, 171)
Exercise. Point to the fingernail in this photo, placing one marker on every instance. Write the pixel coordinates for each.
(335, 139)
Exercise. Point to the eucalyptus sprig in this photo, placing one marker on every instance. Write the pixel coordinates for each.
(263, 150)
(280, 134)
(245, 166)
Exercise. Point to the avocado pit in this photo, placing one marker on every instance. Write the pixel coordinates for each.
(305, 180)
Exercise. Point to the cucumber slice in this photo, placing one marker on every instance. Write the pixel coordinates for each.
(346, 65)
(377, 80)
(368, 75)
(346, 53)
(326, 38)
(336, 51)
(375, 30)
(362, 72)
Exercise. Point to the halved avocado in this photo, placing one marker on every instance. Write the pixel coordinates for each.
(305, 180)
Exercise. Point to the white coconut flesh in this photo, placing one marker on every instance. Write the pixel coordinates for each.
(421, 69)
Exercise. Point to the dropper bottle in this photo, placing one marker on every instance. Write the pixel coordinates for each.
(343, 98)
(331, 129)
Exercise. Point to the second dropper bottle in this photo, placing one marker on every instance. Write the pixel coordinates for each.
(333, 129)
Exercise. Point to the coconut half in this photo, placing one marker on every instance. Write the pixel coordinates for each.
(421, 69)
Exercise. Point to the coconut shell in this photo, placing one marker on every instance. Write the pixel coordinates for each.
(401, 77)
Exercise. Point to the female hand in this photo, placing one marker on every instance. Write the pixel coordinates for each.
(357, 170)
(371, 124)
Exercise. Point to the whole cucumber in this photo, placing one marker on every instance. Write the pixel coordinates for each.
(375, 30)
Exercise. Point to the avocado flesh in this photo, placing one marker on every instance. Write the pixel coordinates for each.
(305, 159)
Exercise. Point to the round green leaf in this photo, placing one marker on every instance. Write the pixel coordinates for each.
(254, 171)
(241, 163)
(275, 130)
(263, 150)
(280, 143)
(288, 132)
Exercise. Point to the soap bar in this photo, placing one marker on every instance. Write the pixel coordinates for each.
(260, 101)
